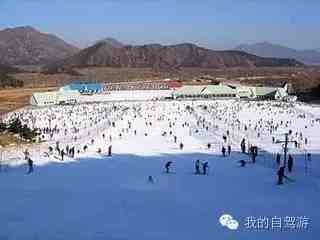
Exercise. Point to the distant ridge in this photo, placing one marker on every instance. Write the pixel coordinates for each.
(112, 42)
(161, 57)
(265, 49)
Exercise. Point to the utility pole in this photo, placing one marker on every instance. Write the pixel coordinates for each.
(285, 150)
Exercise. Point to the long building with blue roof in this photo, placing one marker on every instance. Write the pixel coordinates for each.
(83, 87)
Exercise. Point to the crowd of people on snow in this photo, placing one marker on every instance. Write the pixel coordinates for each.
(65, 128)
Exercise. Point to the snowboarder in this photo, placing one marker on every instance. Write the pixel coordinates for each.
(167, 166)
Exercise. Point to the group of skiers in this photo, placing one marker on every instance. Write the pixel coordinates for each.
(199, 165)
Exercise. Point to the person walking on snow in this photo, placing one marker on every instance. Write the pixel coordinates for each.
(30, 165)
(110, 151)
(290, 163)
(281, 175)
(205, 167)
(278, 159)
(243, 145)
(223, 150)
(62, 155)
(181, 146)
(229, 150)
(167, 166)
(197, 167)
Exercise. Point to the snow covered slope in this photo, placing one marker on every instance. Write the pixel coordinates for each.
(93, 196)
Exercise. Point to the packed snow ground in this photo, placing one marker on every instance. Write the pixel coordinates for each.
(93, 196)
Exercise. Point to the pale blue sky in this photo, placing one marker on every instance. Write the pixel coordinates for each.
(218, 24)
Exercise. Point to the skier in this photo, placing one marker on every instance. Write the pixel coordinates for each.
(229, 150)
(167, 166)
(281, 175)
(30, 165)
(175, 139)
(253, 151)
(67, 149)
(205, 167)
(181, 146)
(209, 145)
(150, 179)
(223, 150)
(110, 151)
(290, 163)
(197, 167)
(243, 145)
(62, 155)
(278, 158)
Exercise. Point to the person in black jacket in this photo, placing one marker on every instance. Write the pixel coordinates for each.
(181, 146)
(229, 150)
(278, 158)
(281, 175)
(197, 167)
(290, 163)
(110, 151)
(223, 150)
(243, 145)
(30, 165)
(167, 166)
(205, 167)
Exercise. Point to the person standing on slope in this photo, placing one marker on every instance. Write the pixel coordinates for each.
(167, 166)
(197, 167)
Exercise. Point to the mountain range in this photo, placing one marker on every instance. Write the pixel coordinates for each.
(28, 46)
(167, 58)
(265, 49)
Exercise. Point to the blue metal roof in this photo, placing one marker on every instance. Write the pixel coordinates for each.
(83, 87)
